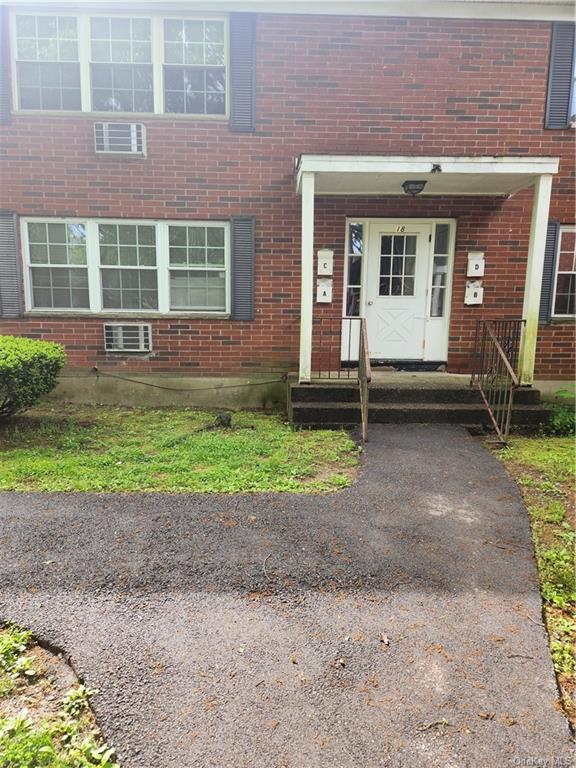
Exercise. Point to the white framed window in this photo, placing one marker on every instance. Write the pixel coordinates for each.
(121, 73)
(197, 267)
(564, 303)
(126, 266)
(121, 64)
(47, 64)
(57, 265)
(195, 66)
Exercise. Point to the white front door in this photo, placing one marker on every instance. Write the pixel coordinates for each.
(396, 289)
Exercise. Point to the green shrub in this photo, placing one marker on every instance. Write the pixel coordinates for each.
(28, 370)
(563, 415)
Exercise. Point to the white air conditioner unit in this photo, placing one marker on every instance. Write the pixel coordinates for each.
(127, 337)
(120, 138)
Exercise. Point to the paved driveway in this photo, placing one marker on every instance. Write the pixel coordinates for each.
(394, 624)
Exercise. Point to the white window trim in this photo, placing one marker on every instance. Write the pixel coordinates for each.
(562, 229)
(84, 49)
(94, 268)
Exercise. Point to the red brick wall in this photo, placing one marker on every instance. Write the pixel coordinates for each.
(324, 85)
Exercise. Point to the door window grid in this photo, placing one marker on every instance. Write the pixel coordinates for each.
(120, 67)
(355, 256)
(397, 265)
(565, 283)
(47, 67)
(57, 264)
(125, 266)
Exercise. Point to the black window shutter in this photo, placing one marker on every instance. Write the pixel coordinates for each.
(560, 75)
(10, 295)
(243, 246)
(549, 272)
(4, 68)
(242, 72)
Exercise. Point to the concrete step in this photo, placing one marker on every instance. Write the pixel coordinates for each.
(346, 414)
(390, 394)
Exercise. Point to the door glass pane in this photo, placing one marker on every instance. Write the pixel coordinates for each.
(397, 265)
(353, 302)
(356, 239)
(438, 293)
(441, 238)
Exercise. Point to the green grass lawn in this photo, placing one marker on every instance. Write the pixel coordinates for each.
(544, 468)
(91, 448)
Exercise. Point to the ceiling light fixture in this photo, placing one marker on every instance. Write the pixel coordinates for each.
(413, 187)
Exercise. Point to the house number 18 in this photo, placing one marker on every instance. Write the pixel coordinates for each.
(400, 228)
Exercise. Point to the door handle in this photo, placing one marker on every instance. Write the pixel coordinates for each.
(369, 303)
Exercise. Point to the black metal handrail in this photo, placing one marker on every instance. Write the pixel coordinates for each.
(364, 377)
(495, 375)
(340, 351)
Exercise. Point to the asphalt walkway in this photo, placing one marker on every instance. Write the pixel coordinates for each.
(397, 623)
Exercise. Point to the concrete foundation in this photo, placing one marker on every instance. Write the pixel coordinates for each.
(264, 392)
(549, 389)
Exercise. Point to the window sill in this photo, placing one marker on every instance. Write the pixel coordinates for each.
(112, 116)
(563, 320)
(126, 316)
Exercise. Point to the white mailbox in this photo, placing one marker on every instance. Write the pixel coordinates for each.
(474, 292)
(325, 261)
(475, 264)
(324, 291)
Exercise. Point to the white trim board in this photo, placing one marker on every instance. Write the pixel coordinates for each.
(511, 10)
(449, 176)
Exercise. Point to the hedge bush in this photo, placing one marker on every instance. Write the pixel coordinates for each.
(28, 370)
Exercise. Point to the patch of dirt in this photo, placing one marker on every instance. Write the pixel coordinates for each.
(41, 694)
(327, 472)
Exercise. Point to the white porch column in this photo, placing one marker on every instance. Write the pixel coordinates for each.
(534, 269)
(307, 287)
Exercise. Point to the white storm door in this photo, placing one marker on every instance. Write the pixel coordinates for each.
(397, 275)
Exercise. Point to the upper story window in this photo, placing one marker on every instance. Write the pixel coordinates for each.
(121, 69)
(565, 279)
(47, 62)
(127, 266)
(121, 64)
(194, 67)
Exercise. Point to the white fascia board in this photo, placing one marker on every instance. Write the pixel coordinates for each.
(511, 10)
(523, 166)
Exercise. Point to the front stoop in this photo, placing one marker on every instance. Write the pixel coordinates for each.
(337, 405)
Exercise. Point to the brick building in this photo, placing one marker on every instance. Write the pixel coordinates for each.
(197, 190)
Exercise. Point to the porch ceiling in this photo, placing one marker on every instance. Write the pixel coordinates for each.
(453, 176)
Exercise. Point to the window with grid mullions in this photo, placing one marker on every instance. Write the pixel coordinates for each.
(197, 259)
(194, 66)
(128, 266)
(121, 64)
(47, 63)
(565, 281)
(58, 265)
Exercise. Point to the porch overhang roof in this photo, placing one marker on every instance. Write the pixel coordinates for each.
(448, 176)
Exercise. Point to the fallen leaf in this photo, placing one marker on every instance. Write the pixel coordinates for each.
(487, 715)
(274, 724)
(293, 659)
(509, 720)
(384, 638)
